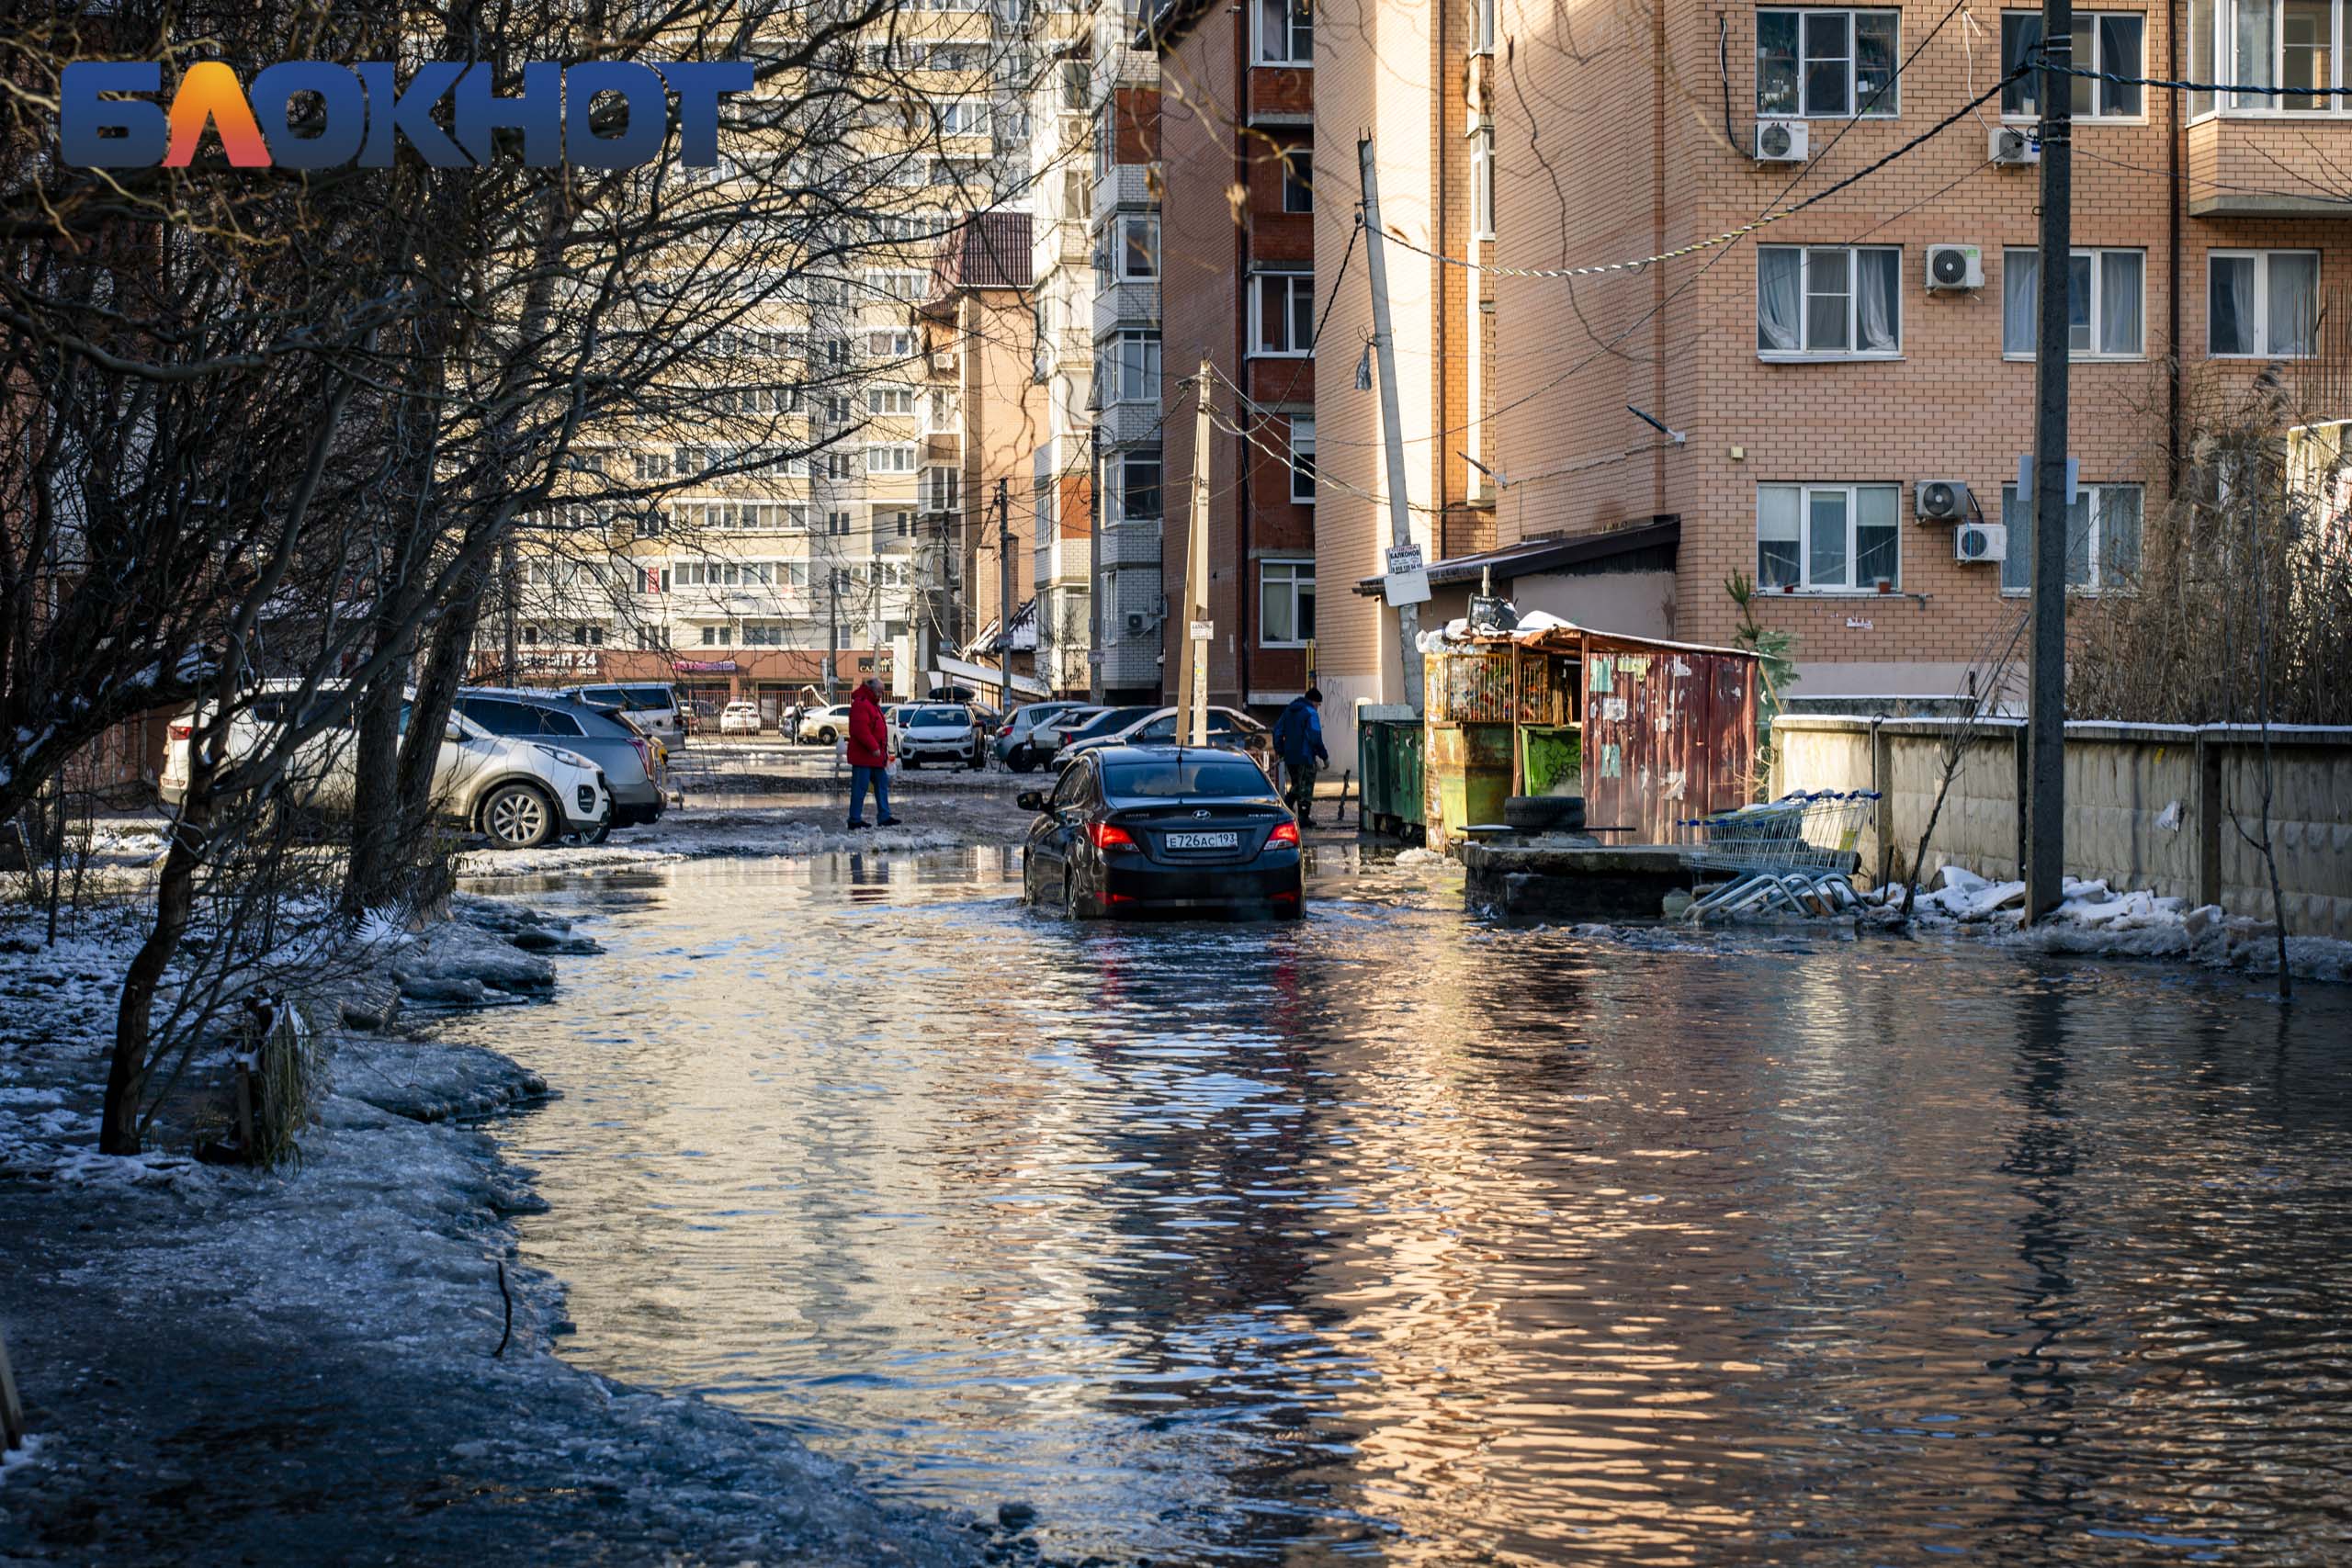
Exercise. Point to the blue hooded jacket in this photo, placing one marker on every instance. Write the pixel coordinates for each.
(1298, 734)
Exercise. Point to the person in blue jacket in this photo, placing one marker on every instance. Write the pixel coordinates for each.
(1298, 742)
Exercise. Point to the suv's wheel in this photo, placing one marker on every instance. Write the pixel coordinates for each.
(1020, 760)
(519, 817)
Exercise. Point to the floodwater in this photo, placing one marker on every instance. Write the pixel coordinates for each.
(1400, 1236)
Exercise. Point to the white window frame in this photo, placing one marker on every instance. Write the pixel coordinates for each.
(1293, 286)
(964, 116)
(2093, 499)
(2261, 258)
(2093, 59)
(1482, 181)
(890, 398)
(1122, 250)
(943, 488)
(1299, 572)
(1302, 424)
(1482, 27)
(1854, 582)
(1890, 106)
(891, 458)
(1159, 485)
(1297, 24)
(2098, 289)
(1147, 365)
(2212, 55)
(1805, 351)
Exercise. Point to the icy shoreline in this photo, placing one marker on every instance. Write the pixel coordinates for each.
(224, 1365)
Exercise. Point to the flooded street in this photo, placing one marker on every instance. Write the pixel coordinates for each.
(1395, 1235)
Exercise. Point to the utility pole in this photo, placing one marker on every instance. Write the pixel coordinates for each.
(1192, 653)
(1098, 658)
(1392, 433)
(832, 630)
(1004, 590)
(2045, 803)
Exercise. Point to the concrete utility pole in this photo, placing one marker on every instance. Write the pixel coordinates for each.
(1192, 653)
(1004, 589)
(1098, 658)
(1392, 435)
(2045, 803)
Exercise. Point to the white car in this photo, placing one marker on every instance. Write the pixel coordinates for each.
(520, 792)
(822, 727)
(650, 705)
(937, 732)
(740, 718)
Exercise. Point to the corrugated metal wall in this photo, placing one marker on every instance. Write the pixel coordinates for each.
(1669, 734)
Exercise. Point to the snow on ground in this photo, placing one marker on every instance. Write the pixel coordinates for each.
(2095, 920)
(301, 1366)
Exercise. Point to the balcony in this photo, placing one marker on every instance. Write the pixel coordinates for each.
(2268, 164)
(1132, 544)
(1062, 562)
(1132, 305)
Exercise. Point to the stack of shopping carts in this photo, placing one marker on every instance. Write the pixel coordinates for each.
(1794, 855)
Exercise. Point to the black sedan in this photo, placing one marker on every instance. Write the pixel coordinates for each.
(1163, 829)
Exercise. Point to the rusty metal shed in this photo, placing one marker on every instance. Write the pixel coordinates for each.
(1659, 731)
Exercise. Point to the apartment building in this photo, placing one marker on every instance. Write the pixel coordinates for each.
(1413, 77)
(1841, 398)
(1238, 292)
(799, 518)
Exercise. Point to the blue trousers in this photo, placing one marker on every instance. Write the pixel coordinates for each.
(859, 777)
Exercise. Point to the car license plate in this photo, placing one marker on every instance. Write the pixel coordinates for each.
(1204, 841)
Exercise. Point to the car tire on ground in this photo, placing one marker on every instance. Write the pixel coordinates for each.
(603, 831)
(1070, 893)
(519, 817)
(1544, 813)
(827, 736)
(1020, 760)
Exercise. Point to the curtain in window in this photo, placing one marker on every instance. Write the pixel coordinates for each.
(2017, 561)
(2021, 42)
(1876, 519)
(2081, 331)
(2229, 305)
(1828, 288)
(2118, 537)
(2294, 304)
(2250, 62)
(2019, 298)
(1777, 535)
(1779, 281)
(1825, 539)
(2078, 539)
(1882, 300)
(2120, 36)
(2119, 302)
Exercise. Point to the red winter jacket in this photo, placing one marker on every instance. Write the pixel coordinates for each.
(869, 737)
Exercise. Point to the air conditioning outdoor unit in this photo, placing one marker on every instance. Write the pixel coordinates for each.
(2010, 145)
(1980, 542)
(1940, 500)
(1135, 623)
(1955, 266)
(1782, 140)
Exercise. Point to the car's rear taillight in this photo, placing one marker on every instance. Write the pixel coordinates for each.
(644, 757)
(1283, 833)
(1005, 731)
(183, 731)
(1109, 836)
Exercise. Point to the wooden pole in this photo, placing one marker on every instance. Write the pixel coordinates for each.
(1193, 651)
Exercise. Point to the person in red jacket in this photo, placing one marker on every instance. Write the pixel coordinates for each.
(869, 755)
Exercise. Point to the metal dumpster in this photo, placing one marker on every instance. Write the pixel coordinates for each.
(1388, 750)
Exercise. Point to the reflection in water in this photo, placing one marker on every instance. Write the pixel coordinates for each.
(1399, 1235)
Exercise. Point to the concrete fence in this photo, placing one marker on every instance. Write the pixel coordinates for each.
(2166, 807)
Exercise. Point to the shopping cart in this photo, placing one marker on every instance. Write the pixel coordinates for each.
(1794, 855)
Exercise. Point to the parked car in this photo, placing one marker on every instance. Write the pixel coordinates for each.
(1228, 728)
(938, 732)
(1151, 830)
(651, 704)
(522, 793)
(630, 760)
(740, 718)
(1015, 746)
(822, 727)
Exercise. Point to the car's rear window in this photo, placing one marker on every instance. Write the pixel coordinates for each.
(934, 717)
(1202, 777)
(642, 698)
(1110, 723)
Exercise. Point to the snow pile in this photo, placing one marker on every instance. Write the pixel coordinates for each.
(2094, 919)
(1417, 855)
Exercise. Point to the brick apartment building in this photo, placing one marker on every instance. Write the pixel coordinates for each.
(1817, 380)
(1239, 290)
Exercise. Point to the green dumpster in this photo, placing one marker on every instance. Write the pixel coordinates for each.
(1389, 754)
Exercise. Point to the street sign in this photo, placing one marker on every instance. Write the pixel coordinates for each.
(1407, 587)
(1404, 559)
(1203, 631)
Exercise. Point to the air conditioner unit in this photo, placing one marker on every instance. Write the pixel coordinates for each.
(1782, 140)
(1135, 623)
(1940, 500)
(1980, 542)
(2012, 144)
(1955, 266)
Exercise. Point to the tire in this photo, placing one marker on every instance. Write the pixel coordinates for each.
(1546, 813)
(520, 816)
(603, 831)
(827, 736)
(1070, 892)
(1020, 760)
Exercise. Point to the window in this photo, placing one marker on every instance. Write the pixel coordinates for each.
(652, 467)
(2295, 45)
(964, 116)
(1285, 33)
(1828, 299)
(1139, 493)
(762, 634)
(837, 524)
(1482, 27)
(1075, 86)
(796, 518)
(1482, 182)
(2104, 303)
(1302, 458)
(1826, 64)
(1298, 179)
(942, 489)
(890, 458)
(1285, 603)
(1282, 314)
(1138, 247)
(715, 636)
(2102, 539)
(2104, 40)
(1138, 367)
(1827, 538)
(883, 397)
(2262, 304)
(891, 345)
(892, 523)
